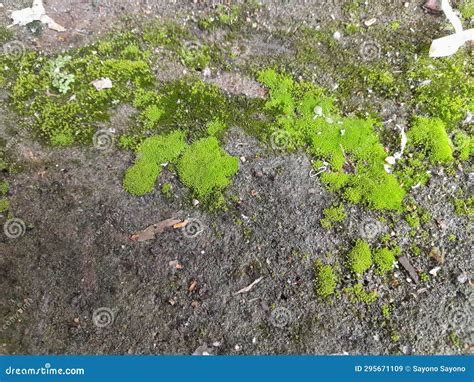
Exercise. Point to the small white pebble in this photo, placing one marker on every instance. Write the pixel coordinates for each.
(434, 271)
(337, 35)
(243, 159)
(237, 347)
(370, 22)
(390, 160)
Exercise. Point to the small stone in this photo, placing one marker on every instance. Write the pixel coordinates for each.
(195, 202)
(462, 278)
(318, 110)
(370, 22)
(206, 72)
(390, 160)
(337, 35)
(237, 347)
(434, 271)
(243, 159)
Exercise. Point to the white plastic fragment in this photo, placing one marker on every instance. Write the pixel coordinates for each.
(34, 13)
(448, 45)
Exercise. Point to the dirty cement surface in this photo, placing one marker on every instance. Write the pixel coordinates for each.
(76, 256)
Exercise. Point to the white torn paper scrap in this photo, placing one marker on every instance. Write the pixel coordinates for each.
(103, 83)
(35, 13)
(448, 45)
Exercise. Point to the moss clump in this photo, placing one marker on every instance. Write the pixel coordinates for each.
(333, 215)
(4, 187)
(356, 157)
(5, 35)
(359, 258)
(167, 189)
(464, 207)
(358, 294)
(467, 9)
(463, 145)
(44, 85)
(386, 311)
(428, 135)
(140, 178)
(195, 56)
(447, 87)
(206, 168)
(326, 280)
(4, 205)
(216, 127)
(384, 259)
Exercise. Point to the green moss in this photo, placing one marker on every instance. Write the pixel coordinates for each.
(195, 56)
(140, 178)
(394, 25)
(463, 145)
(325, 280)
(191, 105)
(216, 127)
(467, 9)
(453, 336)
(43, 88)
(428, 135)
(4, 187)
(413, 220)
(332, 215)
(4, 205)
(206, 168)
(356, 157)
(167, 189)
(359, 259)
(381, 81)
(5, 35)
(424, 277)
(386, 311)
(394, 336)
(358, 294)
(384, 259)
(447, 87)
(464, 207)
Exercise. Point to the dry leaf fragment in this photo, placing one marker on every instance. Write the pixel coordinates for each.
(192, 286)
(182, 224)
(102, 83)
(405, 262)
(150, 232)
